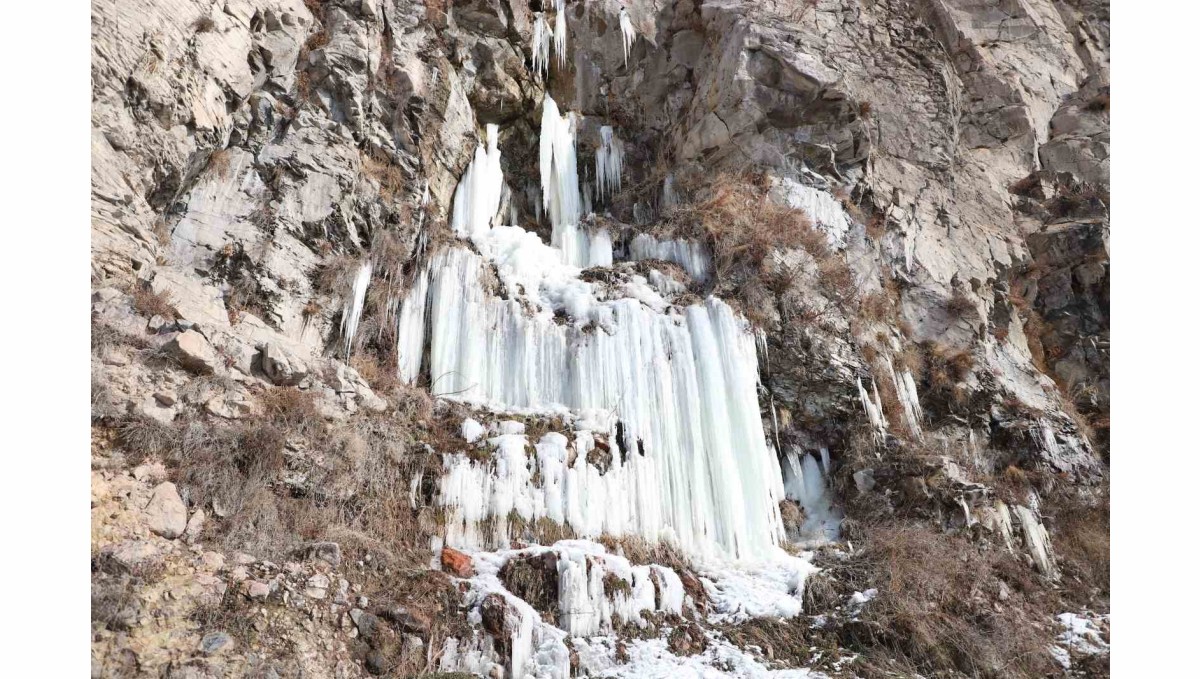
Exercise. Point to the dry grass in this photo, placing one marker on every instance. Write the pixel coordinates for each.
(379, 166)
(1081, 543)
(220, 162)
(938, 606)
(946, 368)
(959, 305)
(1098, 103)
(150, 303)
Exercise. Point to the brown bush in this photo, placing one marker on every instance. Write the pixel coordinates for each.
(935, 606)
(959, 305)
(743, 225)
(379, 166)
(150, 303)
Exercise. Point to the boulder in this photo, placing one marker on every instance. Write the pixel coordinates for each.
(457, 563)
(165, 514)
(193, 352)
(281, 366)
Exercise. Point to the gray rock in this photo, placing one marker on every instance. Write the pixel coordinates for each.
(193, 352)
(166, 514)
(281, 366)
(215, 642)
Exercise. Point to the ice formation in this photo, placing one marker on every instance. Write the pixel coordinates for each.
(669, 198)
(873, 407)
(628, 35)
(477, 198)
(906, 391)
(690, 254)
(609, 158)
(663, 437)
(804, 482)
(560, 33)
(561, 197)
(352, 310)
(585, 606)
(541, 45)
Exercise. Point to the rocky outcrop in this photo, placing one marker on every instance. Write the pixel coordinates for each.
(945, 342)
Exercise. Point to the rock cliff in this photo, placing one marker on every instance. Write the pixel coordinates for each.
(684, 338)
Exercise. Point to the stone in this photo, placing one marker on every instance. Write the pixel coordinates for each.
(150, 471)
(256, 589)
(408, 619)
(317, 586)
(456, 562)
(215, 642)
(166, 514)
(195, 525)
(281, 366)
(193, 351)
(497, 619)
(329, 552)
(134, 555)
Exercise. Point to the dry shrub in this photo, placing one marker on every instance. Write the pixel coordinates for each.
(959, 305)
(1081, 543)
(1025, 186)
(876, 226)
(1098, 103)
(220, 162)
(743, 227)
(379, 166)
(204, 24)
(290, 408)
(876, 306)
(150, 303)
(938, 605)
(946, 368)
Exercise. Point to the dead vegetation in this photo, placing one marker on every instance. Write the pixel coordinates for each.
(939, 606)
(150, 303)
(744, 227)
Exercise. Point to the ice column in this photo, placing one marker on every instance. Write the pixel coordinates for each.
(352, 311)
(477, 198)
(541, 45)
(609, 159)
(627, 33)
(560, 33)
(560, 192)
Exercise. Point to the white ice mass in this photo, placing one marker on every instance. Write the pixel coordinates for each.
(663, 438)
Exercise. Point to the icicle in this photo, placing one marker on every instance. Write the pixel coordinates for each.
(698, 472)
(691, 255)
(352, 311)
(541, 45)
(560, 35)
(669, 198)
(873, 408)
(410, 330)
(627, 33)
(609, 159)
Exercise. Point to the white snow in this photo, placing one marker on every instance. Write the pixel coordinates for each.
(352, 310)
(652, 659)
(1082, 634)
(472, 431)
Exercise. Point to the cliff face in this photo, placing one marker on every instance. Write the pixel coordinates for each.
(835, 331)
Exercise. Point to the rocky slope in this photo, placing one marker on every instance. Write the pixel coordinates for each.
(904, 205)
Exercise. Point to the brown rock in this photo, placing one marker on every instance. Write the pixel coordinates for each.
(457, 563)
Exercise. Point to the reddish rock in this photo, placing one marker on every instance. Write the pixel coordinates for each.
(457, 563)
